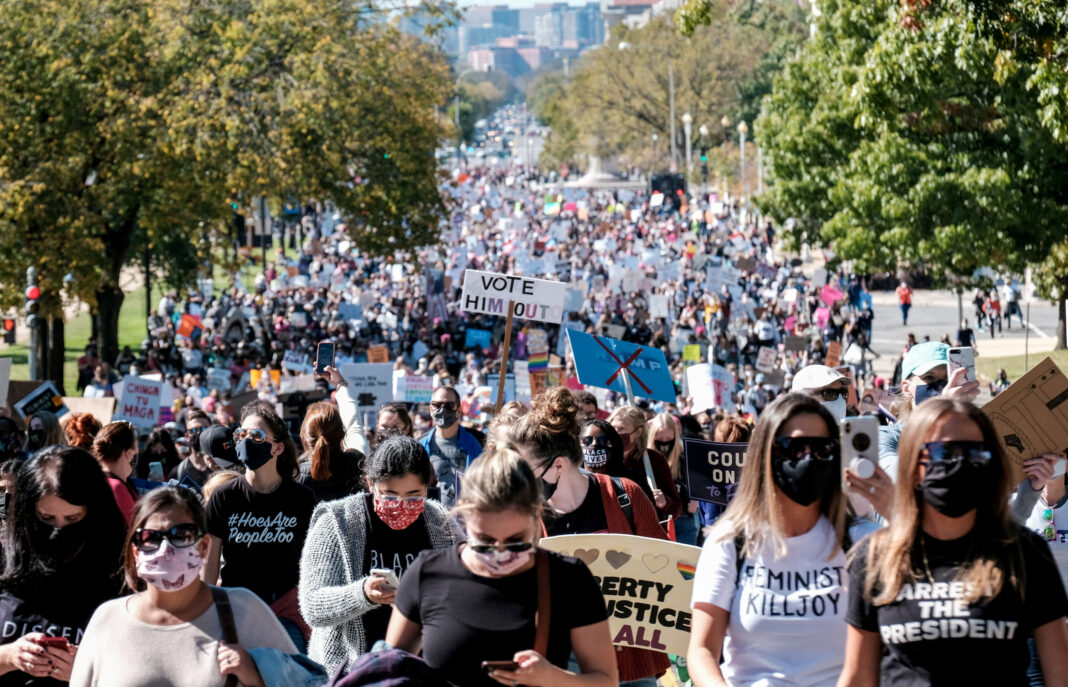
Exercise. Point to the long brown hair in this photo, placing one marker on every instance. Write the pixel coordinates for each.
(752, 513)
(287, 460)
(893, 551)
(322, 433)
(112, 440)
(153, 502)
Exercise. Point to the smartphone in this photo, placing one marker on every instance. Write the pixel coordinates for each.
(155, 471)
(961, 357)
(53, 642)
(324, 356)
(489, 666)
(859, 437)
(389, 576)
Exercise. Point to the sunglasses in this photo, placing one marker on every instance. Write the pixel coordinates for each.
(447, 405)
(974, 452)
(831, 395)
(193, 432)
(255, 435)
(796, 448)
(180, 536)
(601, 442)
(513, 547)
(389, 498)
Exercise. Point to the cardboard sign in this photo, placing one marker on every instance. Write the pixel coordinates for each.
(638, 574)
(766, 359)
(834, 354)
(295, 361)
(711, 386)
(371, 384)
(219, 378)
(602, 362)
(490, 293)
(140, 402)
(796, 343)
(101, 408)
(378, 354)
(713, 470)
(44, 397)
(1031, 416)
(5, 378)
(478, 338)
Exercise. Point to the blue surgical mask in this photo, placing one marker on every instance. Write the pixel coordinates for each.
(926, 391)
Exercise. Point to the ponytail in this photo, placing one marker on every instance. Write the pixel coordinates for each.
(320, 461)
(322, 434)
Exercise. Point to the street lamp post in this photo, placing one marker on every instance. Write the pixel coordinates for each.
(724, 185)
(687, 129)
(624, 45)
(703, 133)
(743, 129)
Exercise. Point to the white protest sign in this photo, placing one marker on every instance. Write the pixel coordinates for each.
(522, 381)
(219, 378)
(290, 385)
(418, 389)
(658, 306)
(711, 386)
(140, 403)
(371, 384)
(295, 361)
(490, 293)
(647, 585)
(766, 359)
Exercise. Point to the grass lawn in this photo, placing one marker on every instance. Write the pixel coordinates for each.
(1014, 365)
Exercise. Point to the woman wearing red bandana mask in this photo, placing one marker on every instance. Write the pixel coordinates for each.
(385, 527)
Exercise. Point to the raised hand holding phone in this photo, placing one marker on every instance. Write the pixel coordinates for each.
(324, 357)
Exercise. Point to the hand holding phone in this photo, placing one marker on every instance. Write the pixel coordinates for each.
(490, 666)
(859, 437)
(54, 642)
(390, 582)
(324, 357)
(962, 357)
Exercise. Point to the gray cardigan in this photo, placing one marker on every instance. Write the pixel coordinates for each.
(332, 599)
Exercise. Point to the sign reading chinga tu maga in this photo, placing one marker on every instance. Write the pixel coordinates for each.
(490, 293)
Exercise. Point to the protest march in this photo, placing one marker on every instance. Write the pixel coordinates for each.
(593, 436)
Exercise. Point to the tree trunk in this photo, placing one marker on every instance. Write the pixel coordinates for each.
(109, 303)
(57, 350)
(1062, 340)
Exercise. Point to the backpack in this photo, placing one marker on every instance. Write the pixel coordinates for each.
(624, 501)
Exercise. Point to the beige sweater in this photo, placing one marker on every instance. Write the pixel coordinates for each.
(121, 651)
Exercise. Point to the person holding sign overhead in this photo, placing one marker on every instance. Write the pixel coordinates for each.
(769, 599)
(951, 591)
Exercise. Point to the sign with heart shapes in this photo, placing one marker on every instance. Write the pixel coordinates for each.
(647, 585)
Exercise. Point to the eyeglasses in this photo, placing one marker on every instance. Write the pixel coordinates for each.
(975, 452)
(181, 536)
(796, 448)
(255, 435)
(447, 405)
(601, 442)
(512, 547)
(389, 498)
(831, 395)
(193, 432)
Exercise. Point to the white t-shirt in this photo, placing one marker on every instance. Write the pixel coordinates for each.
(787, 617)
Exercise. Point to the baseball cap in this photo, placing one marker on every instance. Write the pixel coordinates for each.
(817, 377)
(218, 442)
(924, 357)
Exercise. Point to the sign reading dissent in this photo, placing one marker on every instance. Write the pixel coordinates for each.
(490, 293)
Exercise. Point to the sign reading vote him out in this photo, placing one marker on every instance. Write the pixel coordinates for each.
(490, 293)
(713, 470)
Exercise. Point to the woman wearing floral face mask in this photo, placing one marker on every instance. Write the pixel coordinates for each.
(385, 527)
(476, 602)
(170, 629)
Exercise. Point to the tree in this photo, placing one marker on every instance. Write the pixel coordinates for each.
(916, 132)
(1051, 282)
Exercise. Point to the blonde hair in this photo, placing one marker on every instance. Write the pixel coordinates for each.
(753, 514)
(635, 417)
(499, 430)
(216, 480)
(667, 421)
(892, 553)
(498, 481)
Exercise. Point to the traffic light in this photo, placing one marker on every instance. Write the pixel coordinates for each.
(9, 330)
(33, 295)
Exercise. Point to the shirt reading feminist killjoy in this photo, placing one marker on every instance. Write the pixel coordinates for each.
(934, 637)
(262, 535)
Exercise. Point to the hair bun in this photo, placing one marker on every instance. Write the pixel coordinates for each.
(555, 409)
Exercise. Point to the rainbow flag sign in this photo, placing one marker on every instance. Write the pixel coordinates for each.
(538, 361)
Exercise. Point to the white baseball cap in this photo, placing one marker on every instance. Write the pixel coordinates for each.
(817, 377)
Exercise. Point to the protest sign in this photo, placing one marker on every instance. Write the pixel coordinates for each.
(5, 378)
(775, 379)
(44, 397)
(489, 293)
(478, 338)
(298, 383)
(371, 384)
(602, 362)
(140, 402)
(350, 312)
(831, 295)
(298, 319)
(691, 354)
(493, 381)
(189, 327)
(616, 331)
(295, 361)
(795, 343)
(834, 354)
(658, 306)
(766, 359)
(1031, 416)
(522, 381)
(418, 389)
(378, 354)
(638, 574)
(561, 341)
(789, 295)
(713, 469)
(219, 378)
(276, 377)
(419, 349)
(711, 386)
(746, 264)
(100, 408)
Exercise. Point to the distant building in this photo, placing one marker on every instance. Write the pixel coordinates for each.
(498, 59)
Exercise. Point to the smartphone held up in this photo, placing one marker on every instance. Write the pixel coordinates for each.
(859, 438)
(324, 356)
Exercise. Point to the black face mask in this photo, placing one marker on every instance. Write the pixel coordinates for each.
(547, 488)
(955, 488)
(803, 480)
(254, 455)
(664, 447)
(35, 439)
(59, 543)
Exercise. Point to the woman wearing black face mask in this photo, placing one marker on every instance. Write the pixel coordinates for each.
(769, 596)
(43, 430)
(62, 551)
(951, 591)
(602, 454)
(259, 523)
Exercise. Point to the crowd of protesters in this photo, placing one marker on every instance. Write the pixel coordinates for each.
(260, 537)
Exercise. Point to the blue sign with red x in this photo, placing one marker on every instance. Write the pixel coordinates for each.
(601, 361)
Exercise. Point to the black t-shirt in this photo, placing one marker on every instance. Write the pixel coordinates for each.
(933, 637)
(467, 619)
(344, 479)
(588, 518)
(186, 468)
(262, 535)
(393, 549)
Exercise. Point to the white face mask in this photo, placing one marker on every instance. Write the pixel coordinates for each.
(837, 408)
